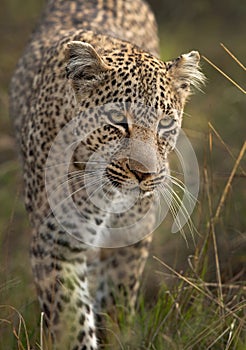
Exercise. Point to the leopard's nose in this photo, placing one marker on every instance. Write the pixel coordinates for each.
(140, 176)
(143, 159)
(140, 171)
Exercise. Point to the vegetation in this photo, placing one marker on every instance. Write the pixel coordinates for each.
(193, 293)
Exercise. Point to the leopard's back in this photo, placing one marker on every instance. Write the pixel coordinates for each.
(128, 20)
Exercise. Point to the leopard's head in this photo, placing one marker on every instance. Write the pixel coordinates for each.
(132, 104)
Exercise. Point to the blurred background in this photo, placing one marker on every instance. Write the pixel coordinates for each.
(183, 25)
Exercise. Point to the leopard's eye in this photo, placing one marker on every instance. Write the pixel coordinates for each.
(166, 123)
(117, 118)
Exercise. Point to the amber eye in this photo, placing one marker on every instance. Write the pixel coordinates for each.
(117, 118)
(166, 123)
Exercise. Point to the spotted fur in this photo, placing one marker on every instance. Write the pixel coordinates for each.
(84, 57)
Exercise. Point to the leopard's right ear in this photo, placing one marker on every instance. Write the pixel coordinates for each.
(84, 67)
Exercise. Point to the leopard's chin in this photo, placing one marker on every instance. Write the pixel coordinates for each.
(125, 187)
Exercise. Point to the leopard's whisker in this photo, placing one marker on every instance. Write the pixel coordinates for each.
(177, 201)
(69, 179)
(182, 208)
(97, 181)
(111, 186)
(183, 187)
(177, 172)
(185, 214)
(174, 209)
(184, 113)
(102, 184)
(73, 174)
(77, 162)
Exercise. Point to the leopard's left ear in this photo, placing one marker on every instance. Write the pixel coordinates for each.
(185, 72)
(85, 67)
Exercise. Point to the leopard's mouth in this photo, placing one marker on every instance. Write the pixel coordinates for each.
(132, 182)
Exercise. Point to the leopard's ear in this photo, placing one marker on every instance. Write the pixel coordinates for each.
(84, 66)
(185, 72)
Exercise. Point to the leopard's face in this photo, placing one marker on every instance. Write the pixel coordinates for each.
(131, 105)
(135, 140)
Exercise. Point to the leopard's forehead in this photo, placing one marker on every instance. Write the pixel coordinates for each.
(136, 78)
(133, 57)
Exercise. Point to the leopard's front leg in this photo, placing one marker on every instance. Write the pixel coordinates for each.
(60, 269)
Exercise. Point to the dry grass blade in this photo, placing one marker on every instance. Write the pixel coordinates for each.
(225, 286)
(234, 333)
(225, 145)
(230, 336)
(21, 324)
(233, 56)
(216, 254)
(216, 327)
(219, 337)
(187, 280)
(224, 74)
(230, 312)
(228, 184)
(42, 331)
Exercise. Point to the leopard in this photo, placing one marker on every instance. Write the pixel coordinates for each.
(96, 113)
